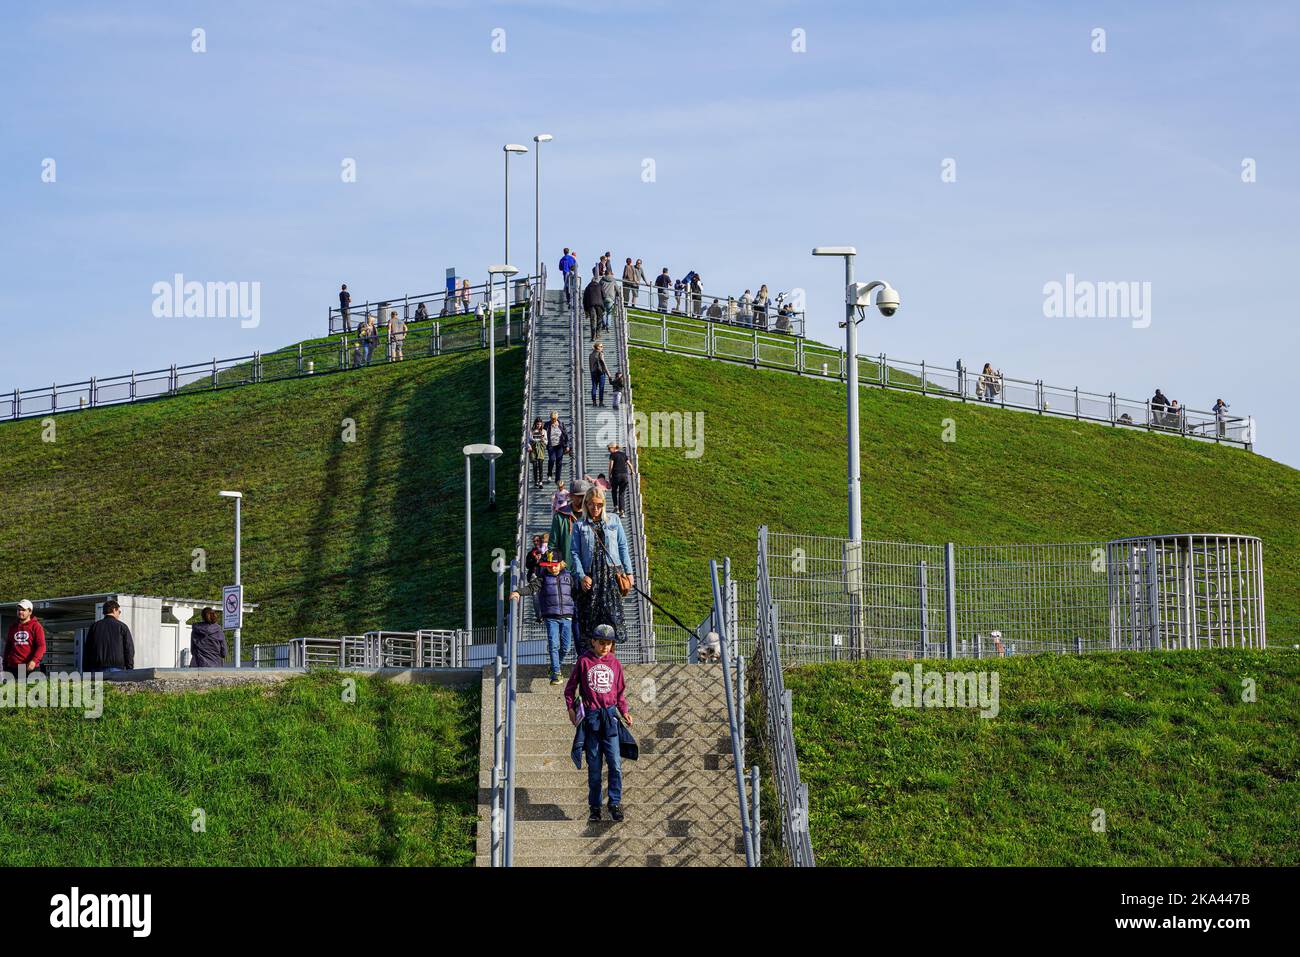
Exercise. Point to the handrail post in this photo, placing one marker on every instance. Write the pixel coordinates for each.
(720, 617)
(214, 372)
(755, 825)
(950, 597)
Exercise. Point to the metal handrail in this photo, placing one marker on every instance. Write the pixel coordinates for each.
(636, 506)
(794, 323)
(735, 725)
(504, 723)
(752, 347)
(338, 354)
(578, 410)
(535, 312)
(410, 303)
(792, 793)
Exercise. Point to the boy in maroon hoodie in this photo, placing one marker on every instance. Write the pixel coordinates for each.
(25, 643)
(597, 684)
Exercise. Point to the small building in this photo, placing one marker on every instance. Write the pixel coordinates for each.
(159, 626)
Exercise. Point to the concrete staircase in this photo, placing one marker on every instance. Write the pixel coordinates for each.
(551, 390)
(679, 797)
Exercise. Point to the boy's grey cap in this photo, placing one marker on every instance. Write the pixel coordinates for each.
(605, 631)
(579, 487)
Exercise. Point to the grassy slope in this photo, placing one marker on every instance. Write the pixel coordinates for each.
(1186, 773)
(774, 454)
(290, 775)
(338, 537)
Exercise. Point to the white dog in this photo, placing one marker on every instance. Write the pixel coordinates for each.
(709, 651)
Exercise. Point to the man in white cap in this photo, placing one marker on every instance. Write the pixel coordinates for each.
(25, 643)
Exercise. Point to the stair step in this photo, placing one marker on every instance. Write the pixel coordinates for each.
(709, 816)
(644, 782)
(574, 795)
(612, 844)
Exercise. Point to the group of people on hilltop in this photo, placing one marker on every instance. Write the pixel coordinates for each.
(108, 645)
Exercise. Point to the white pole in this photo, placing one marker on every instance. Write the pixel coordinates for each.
(469, 585)
(855, 463)
(237, 580)
(492, 378)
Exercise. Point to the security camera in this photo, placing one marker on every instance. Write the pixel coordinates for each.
(886, 297)
(887, 301)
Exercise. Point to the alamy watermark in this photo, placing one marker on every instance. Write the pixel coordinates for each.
(1085, 299)
(208, 300)
(670, 430)
(56, 690)
(947, 689)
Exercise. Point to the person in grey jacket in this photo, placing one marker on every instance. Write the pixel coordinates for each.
(611, 294)
(207, 642)
(599, 373)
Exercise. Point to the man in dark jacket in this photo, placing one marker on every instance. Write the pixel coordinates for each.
(557, 443)
(208, 642)
(593, 303)
(599, 373)
(109, 646)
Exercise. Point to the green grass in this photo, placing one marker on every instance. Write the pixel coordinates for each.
(286, 775)
(774, 454)
(1185, 771)
(338, 537)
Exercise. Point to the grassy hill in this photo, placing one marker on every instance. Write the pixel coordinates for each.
(286, 775)
(773, 453)
(1184, 770)
(338, 536)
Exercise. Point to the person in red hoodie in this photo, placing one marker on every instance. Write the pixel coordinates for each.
(25, 643)
(597, 685)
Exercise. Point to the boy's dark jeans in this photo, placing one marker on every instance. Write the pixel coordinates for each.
(601, 741)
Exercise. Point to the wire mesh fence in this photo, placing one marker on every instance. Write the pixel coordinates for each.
(839, 600)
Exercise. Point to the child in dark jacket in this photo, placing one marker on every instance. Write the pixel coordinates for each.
(552, 589)
(597, 684)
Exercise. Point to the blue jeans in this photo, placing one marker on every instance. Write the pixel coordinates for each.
(602, 742)
(559, 640)
(609, 311)
(597, 384)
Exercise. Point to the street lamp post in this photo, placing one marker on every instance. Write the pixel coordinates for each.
(238, 497)
(505, 271)
(491, 453)
(508, 149)
(539, 139)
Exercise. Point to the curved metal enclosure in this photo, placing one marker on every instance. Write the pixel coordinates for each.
(1186, 591)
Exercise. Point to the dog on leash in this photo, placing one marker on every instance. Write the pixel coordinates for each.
(709, 650)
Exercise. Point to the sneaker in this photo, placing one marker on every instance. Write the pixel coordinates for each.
(555, 679)
(616, 812)
(595, 814)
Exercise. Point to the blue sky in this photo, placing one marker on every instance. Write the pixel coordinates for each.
(225, 166)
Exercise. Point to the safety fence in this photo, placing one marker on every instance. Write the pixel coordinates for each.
(465, 300)
(839, 600)
(778, 714)
(309, 358)
(775, 315)
(762, 349)
(426, 648)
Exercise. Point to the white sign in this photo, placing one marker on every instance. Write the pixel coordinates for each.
(232, 607)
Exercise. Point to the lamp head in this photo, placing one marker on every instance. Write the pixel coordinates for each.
(515, 148)
(543, 138)
(503, 270)
(834, 251)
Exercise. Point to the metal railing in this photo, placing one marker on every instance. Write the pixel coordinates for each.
(778, 708)
(306, 359)
(577, 406)
(535, 313)
(759, 349)
(906, 600)
(736, 719)
(776, 316)
(504, 722)
(465, 301)
(426, 648)
(636, 505)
